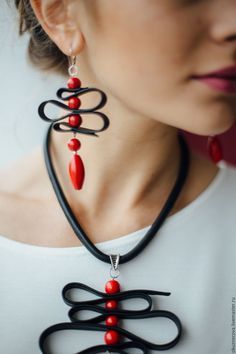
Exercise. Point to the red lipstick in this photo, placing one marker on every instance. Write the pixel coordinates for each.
(223, 80)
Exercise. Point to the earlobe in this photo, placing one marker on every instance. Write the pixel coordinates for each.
(55, 18)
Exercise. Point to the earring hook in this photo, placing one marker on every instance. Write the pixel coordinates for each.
(73, 69)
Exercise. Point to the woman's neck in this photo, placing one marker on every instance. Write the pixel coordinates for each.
(135, 159)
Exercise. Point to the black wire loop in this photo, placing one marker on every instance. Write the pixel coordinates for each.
(152, 231)
(93, 323)
(103, 297)
(75, 92)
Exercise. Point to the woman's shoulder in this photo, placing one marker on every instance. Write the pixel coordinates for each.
(223, 186)
(228, 176)
(24, 196)
(19, 178)
(22, 188)
(223, 192)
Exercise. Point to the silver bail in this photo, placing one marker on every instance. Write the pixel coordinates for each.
(114, 271)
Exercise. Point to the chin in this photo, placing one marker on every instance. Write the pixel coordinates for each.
(215, 122)
(221, 123)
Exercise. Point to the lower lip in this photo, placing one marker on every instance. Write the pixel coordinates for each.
(223, 85)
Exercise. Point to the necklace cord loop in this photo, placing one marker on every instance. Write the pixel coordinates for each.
(80, 233)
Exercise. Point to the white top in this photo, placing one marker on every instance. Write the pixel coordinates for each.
(193, 257)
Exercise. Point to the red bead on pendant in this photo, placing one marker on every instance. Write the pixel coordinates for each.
(112, 287)
(112, 337)
(76, 171)
(214, 149)
(111, 304)
(112, 320)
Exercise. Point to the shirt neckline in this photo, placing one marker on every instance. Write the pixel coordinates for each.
(170, 222)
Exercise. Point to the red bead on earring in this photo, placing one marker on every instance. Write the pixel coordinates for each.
(76, 166)
(214, 149)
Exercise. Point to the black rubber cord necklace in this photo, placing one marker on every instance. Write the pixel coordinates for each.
(113, 296)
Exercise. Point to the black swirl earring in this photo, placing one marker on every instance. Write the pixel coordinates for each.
(76, 165)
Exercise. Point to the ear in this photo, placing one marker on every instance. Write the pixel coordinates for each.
(59, 20)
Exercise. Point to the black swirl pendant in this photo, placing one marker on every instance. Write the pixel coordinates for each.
(76, 166)
(117, 339)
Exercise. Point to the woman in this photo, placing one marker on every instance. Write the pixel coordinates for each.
(147, 57)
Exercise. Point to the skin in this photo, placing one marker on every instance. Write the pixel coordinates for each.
(142, 54)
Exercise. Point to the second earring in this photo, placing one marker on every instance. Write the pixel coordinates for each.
(214, 149)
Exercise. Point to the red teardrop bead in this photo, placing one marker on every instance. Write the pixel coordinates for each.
(112, 320)
(75, 120)
(74, 103)
(111, 304)
(111, 337)
(73, 83)
(214, 149)
(74, 144)
(112, 287)
(76, 171)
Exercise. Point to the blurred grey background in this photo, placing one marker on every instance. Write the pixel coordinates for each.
(22, 89)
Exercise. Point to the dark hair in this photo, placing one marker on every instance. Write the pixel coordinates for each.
(42, 51)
